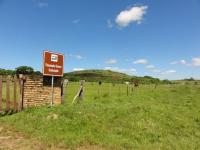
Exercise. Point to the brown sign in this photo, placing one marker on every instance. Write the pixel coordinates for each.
(53, 64)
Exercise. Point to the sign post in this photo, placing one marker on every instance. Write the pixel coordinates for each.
(53, 65)
(52, 88)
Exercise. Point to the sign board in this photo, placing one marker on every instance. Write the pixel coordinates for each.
(53, 64)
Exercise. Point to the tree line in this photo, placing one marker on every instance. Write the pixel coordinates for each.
(19, 70)
(93, 76)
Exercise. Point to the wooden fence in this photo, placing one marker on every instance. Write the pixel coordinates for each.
(11, 94)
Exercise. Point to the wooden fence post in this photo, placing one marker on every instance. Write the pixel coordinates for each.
(21, 85)
(99, 89)
(119, 89)
(0, 93)
(80, 92)
(7, 94)
(15, 95)
(127, 88)
(64, 88)
(110, 86)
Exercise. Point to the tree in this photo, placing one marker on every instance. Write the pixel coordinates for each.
(148, 77)
(166, 81)
(37, 73)
(6, 72)
(24, 70)
(190, 79)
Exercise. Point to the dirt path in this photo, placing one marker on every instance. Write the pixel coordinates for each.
(13, 140)
(10, 139)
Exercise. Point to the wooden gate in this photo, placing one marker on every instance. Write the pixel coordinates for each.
(11, 94)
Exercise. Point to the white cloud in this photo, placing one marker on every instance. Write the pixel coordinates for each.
(168, 72)
(141, 61)
(75, 56)
(132, 69)
(196, 61)
(78, 69)
(76, 21)
(134, 14)
(150, 66)
(183, 62)
(43, 4)
(111, 68)
(109, 23)
(111, 61)
(79, 56)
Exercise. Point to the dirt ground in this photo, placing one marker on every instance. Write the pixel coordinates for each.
(13, 140)
(10, 139)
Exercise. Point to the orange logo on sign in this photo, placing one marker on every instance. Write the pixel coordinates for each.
(53, 64)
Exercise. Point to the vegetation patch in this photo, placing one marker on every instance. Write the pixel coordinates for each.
(148, 118)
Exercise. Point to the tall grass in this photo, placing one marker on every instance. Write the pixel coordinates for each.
(166, 117)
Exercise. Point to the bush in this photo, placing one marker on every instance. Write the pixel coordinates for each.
(24, 70)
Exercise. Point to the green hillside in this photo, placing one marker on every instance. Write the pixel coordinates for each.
(93, 76)
(107, 76)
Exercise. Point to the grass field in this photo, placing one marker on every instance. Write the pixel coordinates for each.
(166, 117)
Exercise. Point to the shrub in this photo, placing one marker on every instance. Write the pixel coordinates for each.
(24, 70)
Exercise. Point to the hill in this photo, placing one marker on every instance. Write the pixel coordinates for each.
(97, 75)
(107, 76)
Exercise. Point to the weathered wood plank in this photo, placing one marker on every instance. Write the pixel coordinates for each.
(7, 94)
(20, 105)
(1, 93)
(15, 95)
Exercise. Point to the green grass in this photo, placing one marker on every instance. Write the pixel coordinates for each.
(167, 117)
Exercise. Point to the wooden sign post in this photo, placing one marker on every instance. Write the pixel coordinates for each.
(53, 65)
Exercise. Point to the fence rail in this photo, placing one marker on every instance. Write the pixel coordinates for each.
(10, 94)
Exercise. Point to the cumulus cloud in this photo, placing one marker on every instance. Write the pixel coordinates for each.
(111, 68)
(196, 61)
(109, 23)
(78, 69)
(75, 56)
(134, 14)
(141, 61)
(150, 66)
(111, 61)
(79, 56)
(168, 72)
(182, 61)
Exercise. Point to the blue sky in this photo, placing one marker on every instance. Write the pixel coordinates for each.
(156, 38)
